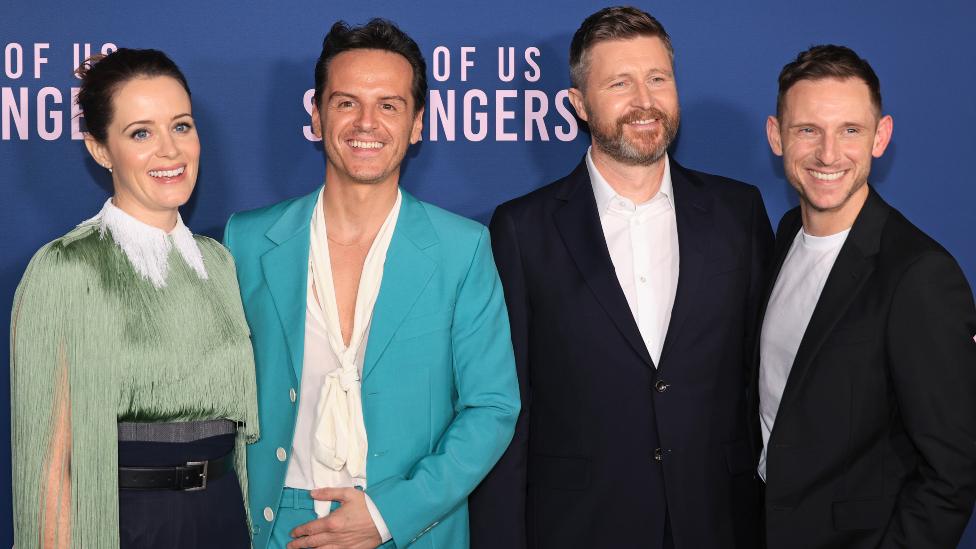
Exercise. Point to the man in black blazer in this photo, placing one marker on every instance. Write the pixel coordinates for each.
(866, 386)
(631, 286)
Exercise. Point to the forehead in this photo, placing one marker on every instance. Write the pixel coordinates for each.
(642, 53)
(829, 97)
(149, 98)
(379, 70)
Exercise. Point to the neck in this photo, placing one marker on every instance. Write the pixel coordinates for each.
(161, 219)
(356, 212)
(637, 183)
(828, 222)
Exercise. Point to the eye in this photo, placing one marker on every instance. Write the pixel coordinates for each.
(852, 131)
(618, 84)
(390, 107)
(344, 104)
(182, 127)
(140, 134)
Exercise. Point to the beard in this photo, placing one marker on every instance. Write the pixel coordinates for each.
(644, 150)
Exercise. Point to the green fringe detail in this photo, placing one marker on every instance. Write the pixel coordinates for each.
(133, 353)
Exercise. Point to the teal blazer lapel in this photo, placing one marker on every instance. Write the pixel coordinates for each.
(285, 268)
(406, 272)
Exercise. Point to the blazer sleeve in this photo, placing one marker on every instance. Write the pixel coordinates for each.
(932, 363)
(487, 406)
(497, 507)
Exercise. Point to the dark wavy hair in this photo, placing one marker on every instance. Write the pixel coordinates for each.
(378, 34)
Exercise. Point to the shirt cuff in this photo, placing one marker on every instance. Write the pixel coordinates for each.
(378, 521)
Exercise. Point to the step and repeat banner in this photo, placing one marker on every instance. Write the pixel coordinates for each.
(498, 122)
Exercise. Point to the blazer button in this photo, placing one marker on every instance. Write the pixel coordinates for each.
(292, 395)
(268, 514)
(281, 454)
(661, 386)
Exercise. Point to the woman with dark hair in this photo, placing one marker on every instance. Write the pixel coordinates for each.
(132, 378)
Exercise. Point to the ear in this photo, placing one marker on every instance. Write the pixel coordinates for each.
(774, 136)
(417, 132)
(98, 152)
(882, 136)
(316, 121)
(576, 98)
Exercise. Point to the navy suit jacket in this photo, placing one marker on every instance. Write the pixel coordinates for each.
(608, 444)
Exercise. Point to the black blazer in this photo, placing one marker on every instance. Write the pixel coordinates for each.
(581, 470)
(874, 443)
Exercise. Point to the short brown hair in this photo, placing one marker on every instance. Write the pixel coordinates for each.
(615, 23)
(828, 61)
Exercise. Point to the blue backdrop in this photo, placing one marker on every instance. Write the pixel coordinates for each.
(497, 124)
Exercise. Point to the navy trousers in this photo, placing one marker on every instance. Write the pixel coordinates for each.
(151, 519)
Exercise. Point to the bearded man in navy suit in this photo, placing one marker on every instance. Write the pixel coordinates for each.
(631, 287)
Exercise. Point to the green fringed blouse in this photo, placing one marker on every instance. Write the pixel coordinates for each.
(88, 330)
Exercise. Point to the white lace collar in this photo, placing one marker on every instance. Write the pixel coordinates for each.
(148, 247)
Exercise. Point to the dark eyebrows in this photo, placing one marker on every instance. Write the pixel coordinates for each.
(149, 122)
(394, 97)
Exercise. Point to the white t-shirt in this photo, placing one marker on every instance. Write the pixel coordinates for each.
(791, 304)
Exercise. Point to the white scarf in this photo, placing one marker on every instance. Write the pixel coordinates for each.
(340, 431)
(148, 247)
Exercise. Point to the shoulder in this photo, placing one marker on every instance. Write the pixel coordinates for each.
(212, 250)
(545, 198)
(726, 188)
(903, 246)
(453, 230)
(257, 221)
(68, 260)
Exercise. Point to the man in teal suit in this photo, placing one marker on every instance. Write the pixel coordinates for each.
(386, 380)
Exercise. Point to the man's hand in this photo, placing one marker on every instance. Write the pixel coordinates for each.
(348, 527)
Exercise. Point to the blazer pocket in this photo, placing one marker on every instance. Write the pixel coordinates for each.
(862, 514)
(416, 326)
(562, 473)
(738, 456)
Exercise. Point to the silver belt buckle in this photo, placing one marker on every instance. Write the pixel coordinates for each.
(203, 476)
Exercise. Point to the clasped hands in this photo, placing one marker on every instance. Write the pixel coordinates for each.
(348, 527)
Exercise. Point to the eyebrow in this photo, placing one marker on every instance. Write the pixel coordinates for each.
(669, 74)
(137, 122)
(351, 96)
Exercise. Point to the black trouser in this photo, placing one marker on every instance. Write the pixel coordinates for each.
(166, 519)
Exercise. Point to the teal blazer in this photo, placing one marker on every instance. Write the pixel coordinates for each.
(440, 394)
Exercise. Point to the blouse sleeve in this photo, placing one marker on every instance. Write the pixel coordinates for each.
(63, 412)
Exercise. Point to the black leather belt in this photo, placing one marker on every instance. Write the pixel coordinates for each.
(193, 476)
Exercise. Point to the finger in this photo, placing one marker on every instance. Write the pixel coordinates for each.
(310, 528)
(318, 541)
(332, 494)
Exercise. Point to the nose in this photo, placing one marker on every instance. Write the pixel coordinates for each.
(167, 146)
(827, 150)
(643, 98)
(366, 120)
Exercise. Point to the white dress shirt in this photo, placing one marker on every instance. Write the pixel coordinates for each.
(330, 445)
(643, 244)
(791, 304)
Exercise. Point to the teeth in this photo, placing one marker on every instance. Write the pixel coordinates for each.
(643, 122)
(366, 144)
(167, 173)
(823, 176)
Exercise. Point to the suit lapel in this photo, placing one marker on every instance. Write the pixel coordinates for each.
(694, 227)
(853, 267)
(579, 226)
(285, 269)
(406, 272)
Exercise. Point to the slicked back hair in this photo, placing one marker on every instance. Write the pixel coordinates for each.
(827, 61)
